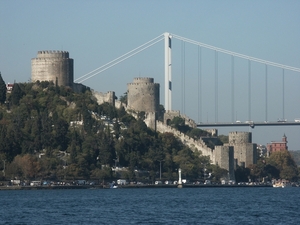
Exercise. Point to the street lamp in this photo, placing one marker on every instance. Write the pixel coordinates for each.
(4, 167)
(115, 165)
(160, 168)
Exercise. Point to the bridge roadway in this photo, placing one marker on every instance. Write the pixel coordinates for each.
(251, 124)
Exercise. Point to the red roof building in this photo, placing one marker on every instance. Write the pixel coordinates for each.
(276, 146)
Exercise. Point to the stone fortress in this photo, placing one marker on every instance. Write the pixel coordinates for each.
(53, 66)
(143, 96)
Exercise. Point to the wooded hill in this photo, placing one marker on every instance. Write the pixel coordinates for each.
(49, 132)
(52, 133)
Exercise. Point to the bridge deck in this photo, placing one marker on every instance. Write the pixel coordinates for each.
(254, 124)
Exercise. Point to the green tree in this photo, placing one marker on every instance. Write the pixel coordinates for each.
(284, 162)
(16, 94)
(123, 98)
(2, 90)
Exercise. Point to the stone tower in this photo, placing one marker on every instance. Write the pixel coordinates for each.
(224, 157)
(53, 66)
(245, 152)
(143, 95)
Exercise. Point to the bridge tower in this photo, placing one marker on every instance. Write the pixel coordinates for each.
(168, 74)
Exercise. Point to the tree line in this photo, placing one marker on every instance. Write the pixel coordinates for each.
(49, 132)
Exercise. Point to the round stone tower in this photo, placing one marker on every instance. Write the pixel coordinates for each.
(240, 137)
(53, 66)
(143, 95)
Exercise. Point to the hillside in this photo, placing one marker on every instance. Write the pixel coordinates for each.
(52, 133)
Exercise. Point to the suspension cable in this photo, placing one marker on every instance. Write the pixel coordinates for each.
(127, 55)
(283, 116)
(216, 87)
(249, 90)
(232, 88)
(199, 84)
(237, 54)
(266, 93)
(183, 77)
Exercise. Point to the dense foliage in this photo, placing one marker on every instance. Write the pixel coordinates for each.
(296, 156)
(2, 90)
(50, 132)
(280, 165)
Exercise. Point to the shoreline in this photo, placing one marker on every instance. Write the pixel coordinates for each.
(56, 187)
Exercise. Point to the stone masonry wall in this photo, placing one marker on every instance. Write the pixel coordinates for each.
(105, 97)
(196, 145)
(143, 95)
(244, 150)
(224, 157)
(169, 115)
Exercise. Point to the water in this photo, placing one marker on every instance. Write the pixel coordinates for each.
(152, 206)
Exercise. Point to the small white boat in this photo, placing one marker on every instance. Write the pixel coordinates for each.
(282, 184)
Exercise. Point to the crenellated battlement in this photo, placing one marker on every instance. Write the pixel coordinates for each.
(143, 80)
(237, 137)
(53, 54)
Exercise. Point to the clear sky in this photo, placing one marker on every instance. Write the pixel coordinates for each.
(95, 32)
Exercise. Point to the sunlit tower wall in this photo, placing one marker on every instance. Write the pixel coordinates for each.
(143, 95)
(53, 66)
(244, 150)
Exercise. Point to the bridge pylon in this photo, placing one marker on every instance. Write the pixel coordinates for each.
(168, 72)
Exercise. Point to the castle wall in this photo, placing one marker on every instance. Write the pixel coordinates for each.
(52, 66)
(143, 95)
(170, 114)
(105, 97)
(195, 145)
(150, 120)
(78, 87)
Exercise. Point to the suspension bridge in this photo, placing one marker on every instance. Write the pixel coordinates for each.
(272, 84)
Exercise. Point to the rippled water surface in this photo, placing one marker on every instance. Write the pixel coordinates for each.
(152, 206)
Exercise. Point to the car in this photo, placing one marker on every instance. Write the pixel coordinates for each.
(282, 120)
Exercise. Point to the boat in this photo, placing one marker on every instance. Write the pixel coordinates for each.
(113, 185)
(278, 185)
(282, 184)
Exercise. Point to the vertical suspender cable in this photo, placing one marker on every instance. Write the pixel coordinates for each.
(216, 86)
(182, 76)
(199, 84)
(283, 116)
(266, 93)
(249, 89)
(232, 88)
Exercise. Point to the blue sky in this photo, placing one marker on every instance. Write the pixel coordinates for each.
(96, 32)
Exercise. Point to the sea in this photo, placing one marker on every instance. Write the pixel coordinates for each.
(236, 205)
